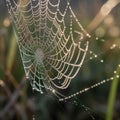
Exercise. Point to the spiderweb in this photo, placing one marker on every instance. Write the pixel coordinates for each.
(52, 42)
(52, 50)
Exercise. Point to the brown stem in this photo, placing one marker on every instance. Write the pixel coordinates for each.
(13, 98)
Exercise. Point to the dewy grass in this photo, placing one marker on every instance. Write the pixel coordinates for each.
(112, 95)
(11, 53)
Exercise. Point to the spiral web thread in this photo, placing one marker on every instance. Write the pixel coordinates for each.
(50, 42)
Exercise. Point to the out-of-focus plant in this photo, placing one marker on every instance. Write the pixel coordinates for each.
(112, 95)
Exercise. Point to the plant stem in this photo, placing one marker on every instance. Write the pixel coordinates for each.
(11, 53)
(10, 59)
(112, 95)
(13, 98)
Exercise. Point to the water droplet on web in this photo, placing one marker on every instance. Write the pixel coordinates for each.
(102, 61)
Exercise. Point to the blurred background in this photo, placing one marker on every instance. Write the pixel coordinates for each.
(17, 100)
